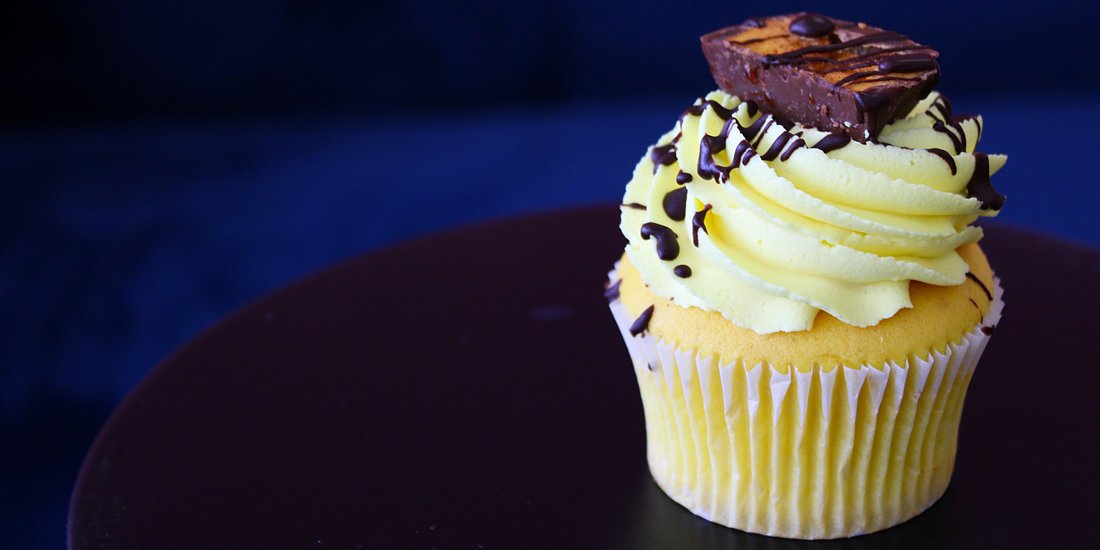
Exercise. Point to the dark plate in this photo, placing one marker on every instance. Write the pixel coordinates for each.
(470, 389)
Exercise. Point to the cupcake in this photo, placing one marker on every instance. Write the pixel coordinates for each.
(803, 296)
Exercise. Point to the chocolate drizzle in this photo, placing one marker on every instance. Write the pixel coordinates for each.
(794, 146)
(812, 25)
(682, 271)
(633, 205)
(683, 177)
(832, 142)
(985, 289)
(641, 324)
(667, 247)
(675, 204)
(979, 187)
(708, 169)
(612, 291)
(742, 154)
(777, 147)
(711, 145)
(755, 132)
(885, 64)
(950, 125)
(946, 158)
(663, 155)
(698, 221)
(702, 105)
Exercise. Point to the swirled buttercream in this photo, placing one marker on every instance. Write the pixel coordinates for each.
(768, 222)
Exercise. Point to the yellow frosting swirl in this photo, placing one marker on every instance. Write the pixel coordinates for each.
(785, 230)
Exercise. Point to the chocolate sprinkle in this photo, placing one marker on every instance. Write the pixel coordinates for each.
(987, 330)
(682, 271)
(697, 223)
(683, 177)
(675, 204)
(667, 247)
(612, 292)
(642, 322)
(985, 289)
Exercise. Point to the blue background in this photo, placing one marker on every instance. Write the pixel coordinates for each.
(164, 163)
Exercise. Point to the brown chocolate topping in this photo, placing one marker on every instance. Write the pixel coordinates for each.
(634, 205)
(683, 177)
(812, 25)
(985, 289)
(950, 160)
(832, 142)
(682, 271)
(824, 73)
(777, 147)
(794, 146)
(981, 188)
(698, 221)
(663, 155)
(642, 322)
(675, 204)
(667, 247)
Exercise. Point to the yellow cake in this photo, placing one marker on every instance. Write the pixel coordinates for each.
(804, 318)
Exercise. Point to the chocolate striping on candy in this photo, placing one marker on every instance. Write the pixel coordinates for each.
(682, 271)
(675, 204)
(667, 247)
(812, 25)
(641, 324)
(683, 177)
(824, 73)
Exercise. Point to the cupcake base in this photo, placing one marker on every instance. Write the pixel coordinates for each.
(815, 454)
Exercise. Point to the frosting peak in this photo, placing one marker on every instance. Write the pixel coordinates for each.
(768, 222)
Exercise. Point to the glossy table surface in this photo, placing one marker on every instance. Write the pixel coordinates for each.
(469, 389)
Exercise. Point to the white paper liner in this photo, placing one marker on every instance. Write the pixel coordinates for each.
(786, 453)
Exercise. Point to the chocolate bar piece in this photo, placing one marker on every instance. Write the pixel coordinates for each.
(821, 72)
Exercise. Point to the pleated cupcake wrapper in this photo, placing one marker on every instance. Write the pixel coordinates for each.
(809, 455)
